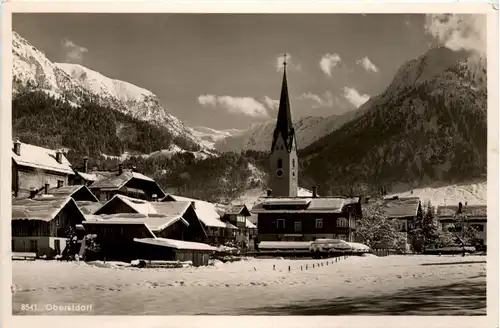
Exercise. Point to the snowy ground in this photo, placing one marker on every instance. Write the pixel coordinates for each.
(472, 193)
(371, 285)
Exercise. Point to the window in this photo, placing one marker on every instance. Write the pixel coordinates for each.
(342, 222)
(298, 226)
(280, 163)
(319, 223)
(293, 162)
(280, 223)
(60, 183)
(13, 245)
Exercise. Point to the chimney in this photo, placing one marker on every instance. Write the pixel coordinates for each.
(17, 147)
(59, 155)
(154, 197)
(46, 189)
(460, 207)
(60, 184)
(85, 164)
(120, 169)
(193, 204)
(315, 191)
(134, 169)
(269, 192)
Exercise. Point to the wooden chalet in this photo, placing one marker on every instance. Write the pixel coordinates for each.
(128, 183)
(476, 216)
(237, 216)
(34, 168)
(170, 249)
(78, 193)
(39, 225)
(405, 211)
(307, 218)
(179, 217)
(209, 215)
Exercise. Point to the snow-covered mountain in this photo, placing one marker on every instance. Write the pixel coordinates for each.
(307, 129)
(209, 136)
(72, 83)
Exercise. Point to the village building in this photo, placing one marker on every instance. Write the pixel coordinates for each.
(238, 217)
(83, 176)
(78, 193)
(170, 249)
(176, 220)
(215, 231)
(406, 212)
(307, 219)
(35, 167)
(284, 215)
(128, 183)
(40, 225)
(476, 217)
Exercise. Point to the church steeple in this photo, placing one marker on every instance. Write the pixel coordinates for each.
(284, 122)
(283, 160)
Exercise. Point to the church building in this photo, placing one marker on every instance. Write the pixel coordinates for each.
(284, 215)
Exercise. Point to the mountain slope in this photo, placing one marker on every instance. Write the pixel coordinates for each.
(308, 129)
(76, 84)
(209, 137)
(428, 126)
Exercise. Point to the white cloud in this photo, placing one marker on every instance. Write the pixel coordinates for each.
(206, 100)
(235, 105)
(289, 63)
(367, 64)
(354, 97)
(318, 101)
(458, 31)
(74, 52)
(272, 104)
(328, 62)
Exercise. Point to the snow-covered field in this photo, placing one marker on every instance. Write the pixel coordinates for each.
(358, 285)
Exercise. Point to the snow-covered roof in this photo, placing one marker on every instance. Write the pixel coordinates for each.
(155, 222)
(41, 158)
(87, 207)
(70, 191)
(88, 176)
(303, 205)
(110, 181)
(230, 226)
(237, 210)
(177, 244)
(43, 208)
(205, 211)
(400, 207)
(138, 205)
(249, 224)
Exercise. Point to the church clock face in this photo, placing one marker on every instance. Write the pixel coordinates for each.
(279, 172)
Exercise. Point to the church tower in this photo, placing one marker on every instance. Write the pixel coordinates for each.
(284, 162)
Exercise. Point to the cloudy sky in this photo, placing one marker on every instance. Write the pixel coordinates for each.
(223, 71)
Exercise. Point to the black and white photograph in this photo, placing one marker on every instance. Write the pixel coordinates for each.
(250, 164)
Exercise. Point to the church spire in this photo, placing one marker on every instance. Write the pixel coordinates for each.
(284, 121)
